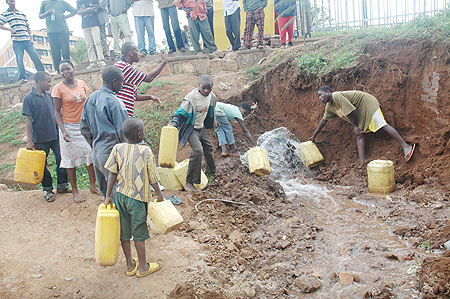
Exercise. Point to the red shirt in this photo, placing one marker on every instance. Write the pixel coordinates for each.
(198, 8)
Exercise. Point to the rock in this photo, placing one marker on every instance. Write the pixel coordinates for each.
(345, 278)
(394, 256)
(224, 86)
(308, 284)
(447, 245)
(283, 244)
(68, 278)
(401, 230)
(36, 275)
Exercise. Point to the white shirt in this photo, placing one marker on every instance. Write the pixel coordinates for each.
(143, 8)
(230, 7)
(201, 104)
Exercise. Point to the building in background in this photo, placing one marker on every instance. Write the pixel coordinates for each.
(8, 58)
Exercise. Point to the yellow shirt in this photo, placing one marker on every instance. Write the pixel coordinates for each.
(135, 167)
(345, 102)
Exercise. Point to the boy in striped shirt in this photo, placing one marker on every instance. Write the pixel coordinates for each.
(132, 77)
(132, 165)
(21, 37)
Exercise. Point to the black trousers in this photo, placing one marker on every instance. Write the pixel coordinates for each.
(233, 29)
(59, 45)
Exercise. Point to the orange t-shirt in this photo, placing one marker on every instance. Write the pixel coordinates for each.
(72, 100)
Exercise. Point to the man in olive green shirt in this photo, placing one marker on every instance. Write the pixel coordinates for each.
(54, 13)
(363, 112)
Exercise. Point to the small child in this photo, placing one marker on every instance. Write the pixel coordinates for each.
(133, 166)
(226, 113)
(42, 133)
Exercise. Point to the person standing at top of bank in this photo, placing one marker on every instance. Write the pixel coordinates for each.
(232, 12)
(196, 14)
(21, 38)
(363, 112)
(88, 10)
(255, 16)
(169, 12)
(133, 78)
(54, 13)
(144, 19)
(119, 22)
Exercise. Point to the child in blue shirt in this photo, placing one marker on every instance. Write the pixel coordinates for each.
(226, 113)
(42, 133)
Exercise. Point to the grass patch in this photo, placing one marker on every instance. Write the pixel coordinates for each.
(154, 119)
(146, 86)
(9, 124)
(253, 72)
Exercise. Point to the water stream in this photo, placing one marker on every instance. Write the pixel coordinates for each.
(353, 240)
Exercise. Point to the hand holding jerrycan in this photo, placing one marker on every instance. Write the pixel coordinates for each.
(168, 145)
(107, 235)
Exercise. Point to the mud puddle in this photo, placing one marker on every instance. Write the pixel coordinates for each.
(355, 254)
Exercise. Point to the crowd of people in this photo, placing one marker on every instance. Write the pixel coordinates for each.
(96, 14)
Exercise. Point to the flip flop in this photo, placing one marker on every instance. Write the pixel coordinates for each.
(152, 268)
(226, 154)
(49, 196)
(411, 152)
(175, 200)
(134, 270)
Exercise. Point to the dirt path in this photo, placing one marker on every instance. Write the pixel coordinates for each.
(48, 251)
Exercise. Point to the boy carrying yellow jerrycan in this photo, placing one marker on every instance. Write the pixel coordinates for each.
(30, 166)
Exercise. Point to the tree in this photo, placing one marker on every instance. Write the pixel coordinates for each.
(80, 54)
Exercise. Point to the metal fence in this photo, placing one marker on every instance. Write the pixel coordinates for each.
(320, 15)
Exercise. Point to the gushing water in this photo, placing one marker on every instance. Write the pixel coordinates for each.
(352, 240)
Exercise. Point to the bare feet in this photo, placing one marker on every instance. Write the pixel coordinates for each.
(77, 197)
(225, 154)
(190, 187)
(95, 190)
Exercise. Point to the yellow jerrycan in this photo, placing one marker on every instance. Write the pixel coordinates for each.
(168, 179)
(107, 235)
(258, 161)
(29, 166)
(168, 145)
(381, 176)
(165, 216)
(309, 154)
(181, 172)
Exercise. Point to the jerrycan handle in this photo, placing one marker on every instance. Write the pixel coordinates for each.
(110, 206)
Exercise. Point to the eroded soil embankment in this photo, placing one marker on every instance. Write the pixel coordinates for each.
(410, 79)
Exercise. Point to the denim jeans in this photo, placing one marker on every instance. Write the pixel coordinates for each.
(59, 45)
(19, 47)
(171, 12)
(143, 23)
(201, 146)
(225, 131)
(61, 173)
(233, 29)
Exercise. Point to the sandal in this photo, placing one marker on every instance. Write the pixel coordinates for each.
(134, 270)
(49, 196)
(152, 268)
(175, 200)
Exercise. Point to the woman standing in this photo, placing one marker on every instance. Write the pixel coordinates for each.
(68, 98)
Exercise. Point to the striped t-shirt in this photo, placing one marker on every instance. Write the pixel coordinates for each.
(135, 167)
(132, 78)
(17, 21)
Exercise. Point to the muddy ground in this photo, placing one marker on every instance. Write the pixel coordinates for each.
(258, 249)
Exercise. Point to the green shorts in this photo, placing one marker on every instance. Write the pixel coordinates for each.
(133, 218)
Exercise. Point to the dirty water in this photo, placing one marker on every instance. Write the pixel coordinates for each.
(352, 240)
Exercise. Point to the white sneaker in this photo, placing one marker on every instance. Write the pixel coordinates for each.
(92, 66)
(101, 63)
